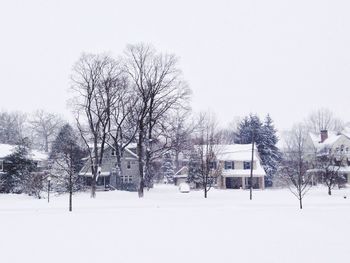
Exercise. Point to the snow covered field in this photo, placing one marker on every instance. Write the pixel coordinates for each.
(167, 226)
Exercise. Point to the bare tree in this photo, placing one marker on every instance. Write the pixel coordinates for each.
(11, 127)
(294, 167)
(229, 135)
(66, 162)
(158, 84)
(179, 131)
(122, 129)
(45, 127)
(94, 79)
(323, 119)
(205, 151)
(328, 166)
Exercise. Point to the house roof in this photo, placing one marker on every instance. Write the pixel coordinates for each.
(346, 132)
(235, 152)
(8, 149)
(333, 137)
(238, 152)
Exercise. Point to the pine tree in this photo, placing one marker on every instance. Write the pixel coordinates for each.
(269, 153)
(168, 168)
(19, 171)
(194, 172)
(249, 125)
(266, 140)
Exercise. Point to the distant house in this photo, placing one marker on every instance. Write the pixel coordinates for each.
(233, 162)
(39, 158)
(181, 176)
(108, 178)
(335, 144)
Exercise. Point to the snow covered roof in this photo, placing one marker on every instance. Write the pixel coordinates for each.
(259, 172)
(38, 155)
(329, 142)
(8, 149)
(235, 152)
(238, 152)
(346, 132)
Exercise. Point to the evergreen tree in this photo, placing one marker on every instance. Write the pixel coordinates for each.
(20, 170)
(266, 140)
(66, 162)
(168, 168)
(249, 126)
(269, 153)
(194, 171)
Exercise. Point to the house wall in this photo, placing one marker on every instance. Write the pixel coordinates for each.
(109, 164)
(239, 165)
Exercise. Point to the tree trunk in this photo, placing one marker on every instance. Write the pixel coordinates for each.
(140, 154)
(70, 201)
(205, 192)
(94, 171)
(46, 144)
(300, 201)
(148, 175)
(119, 161)
(70, 192)
(177, 165)
(329, 190)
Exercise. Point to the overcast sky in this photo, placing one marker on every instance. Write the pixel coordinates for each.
(281, 57)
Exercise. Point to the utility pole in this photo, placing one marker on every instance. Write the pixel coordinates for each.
(251, 165)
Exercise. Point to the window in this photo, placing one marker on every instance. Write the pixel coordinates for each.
(229, 165)
(246, 165)
(113, 152)
(128, 165)
(122, 179)
(130, 179)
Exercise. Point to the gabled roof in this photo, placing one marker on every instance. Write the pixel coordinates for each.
(238, 152)
(333, 137)
(234, 152)
(6, 150)
(346, 132)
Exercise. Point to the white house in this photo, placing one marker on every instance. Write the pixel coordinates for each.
(333, 143)
(235, 163)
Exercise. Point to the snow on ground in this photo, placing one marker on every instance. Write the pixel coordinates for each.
(168, 226)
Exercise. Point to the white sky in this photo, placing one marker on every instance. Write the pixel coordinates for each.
(282, 57)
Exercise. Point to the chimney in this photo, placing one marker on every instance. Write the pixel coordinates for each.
(324, 135)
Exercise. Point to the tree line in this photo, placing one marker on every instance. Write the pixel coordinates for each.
(141, 97)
